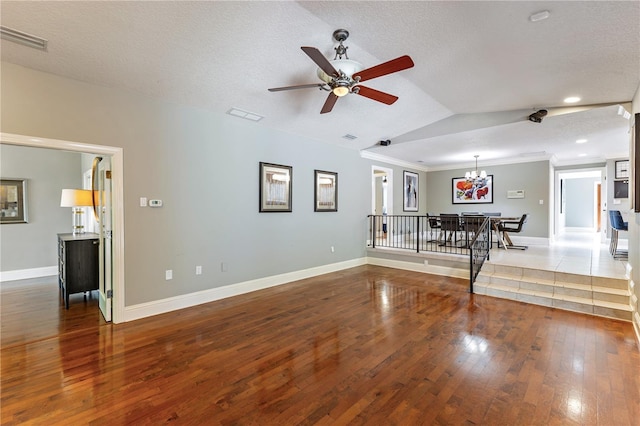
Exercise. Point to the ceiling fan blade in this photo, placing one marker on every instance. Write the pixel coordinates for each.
(300, 86)
(317, 57)
(377, 95)
(329, 103)
(394, 65)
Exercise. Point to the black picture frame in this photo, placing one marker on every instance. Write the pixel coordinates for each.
(410, 191)
(478, 191)
(325, 191)
(276, 183)
(622, 169)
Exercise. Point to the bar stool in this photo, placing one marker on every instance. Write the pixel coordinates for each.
(617, 224)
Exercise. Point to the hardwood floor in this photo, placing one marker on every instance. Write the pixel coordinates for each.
(368, 345)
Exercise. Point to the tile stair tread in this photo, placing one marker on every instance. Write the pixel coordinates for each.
(611, 305)
(535, 280)
(574, 299)
(573, 286)
(506, 276)
(609, 290)
(564, 284)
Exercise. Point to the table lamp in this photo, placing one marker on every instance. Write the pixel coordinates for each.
(77, 199)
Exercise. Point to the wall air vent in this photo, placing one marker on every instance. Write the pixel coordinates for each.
(25, 39)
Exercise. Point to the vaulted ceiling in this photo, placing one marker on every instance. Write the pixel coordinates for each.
(475, 64)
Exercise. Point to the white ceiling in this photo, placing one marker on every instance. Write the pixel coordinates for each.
(470, 58)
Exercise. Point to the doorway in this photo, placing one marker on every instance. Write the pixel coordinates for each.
(381, 190)
(579, 205)
(117, 194)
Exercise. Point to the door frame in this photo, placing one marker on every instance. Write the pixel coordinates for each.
(559, 219)
(117, 194)
(389, 174)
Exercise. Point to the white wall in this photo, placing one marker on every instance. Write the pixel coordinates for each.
(580, 202)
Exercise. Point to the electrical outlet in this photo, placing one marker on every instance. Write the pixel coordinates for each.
(198, 270)
(168, 274)
(333, 249)
(224, 267)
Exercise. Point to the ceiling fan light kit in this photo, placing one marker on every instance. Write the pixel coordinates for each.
(343, 76)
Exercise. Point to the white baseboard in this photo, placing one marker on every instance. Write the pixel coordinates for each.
(25, 274)
(419, 267)
(157, 307)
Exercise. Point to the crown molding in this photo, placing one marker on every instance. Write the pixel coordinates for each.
(383, 158)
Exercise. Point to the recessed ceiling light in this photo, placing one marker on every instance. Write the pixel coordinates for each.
(539, 16)
(582, 155)
(581, 141)
(571, 100)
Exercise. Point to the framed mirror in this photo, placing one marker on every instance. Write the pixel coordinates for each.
(13, 201)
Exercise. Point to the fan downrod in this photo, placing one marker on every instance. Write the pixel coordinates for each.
(340, 35)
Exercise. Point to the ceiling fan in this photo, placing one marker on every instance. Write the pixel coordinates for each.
(343, 76)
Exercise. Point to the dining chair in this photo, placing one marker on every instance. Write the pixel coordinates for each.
(512, 226)
(434, 227)
(450, 226)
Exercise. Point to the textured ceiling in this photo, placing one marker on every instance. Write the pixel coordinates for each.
(471, 58)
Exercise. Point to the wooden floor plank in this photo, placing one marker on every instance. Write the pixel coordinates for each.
(368, 345)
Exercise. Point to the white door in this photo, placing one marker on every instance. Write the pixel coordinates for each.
(101, 181)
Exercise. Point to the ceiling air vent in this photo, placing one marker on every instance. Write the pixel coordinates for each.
(23, 38)
(350, 137)
(244, 114)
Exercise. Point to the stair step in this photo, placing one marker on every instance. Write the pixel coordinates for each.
(602, 296)
(544, 277)
(571, 303)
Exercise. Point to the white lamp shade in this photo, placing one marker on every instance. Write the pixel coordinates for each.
(76, 198)
(347, 66)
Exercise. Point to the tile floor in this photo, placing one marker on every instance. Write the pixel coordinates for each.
(573, 252)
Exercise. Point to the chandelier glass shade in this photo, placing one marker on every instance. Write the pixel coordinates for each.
(475, 174)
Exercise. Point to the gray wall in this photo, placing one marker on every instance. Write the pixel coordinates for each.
(204, 166)
(532, 177)
(33, 244)
(579, 202)
(634, 231)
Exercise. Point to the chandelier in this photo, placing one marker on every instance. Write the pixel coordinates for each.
(474, 174)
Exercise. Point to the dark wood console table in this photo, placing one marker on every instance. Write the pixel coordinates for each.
(77, 264)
